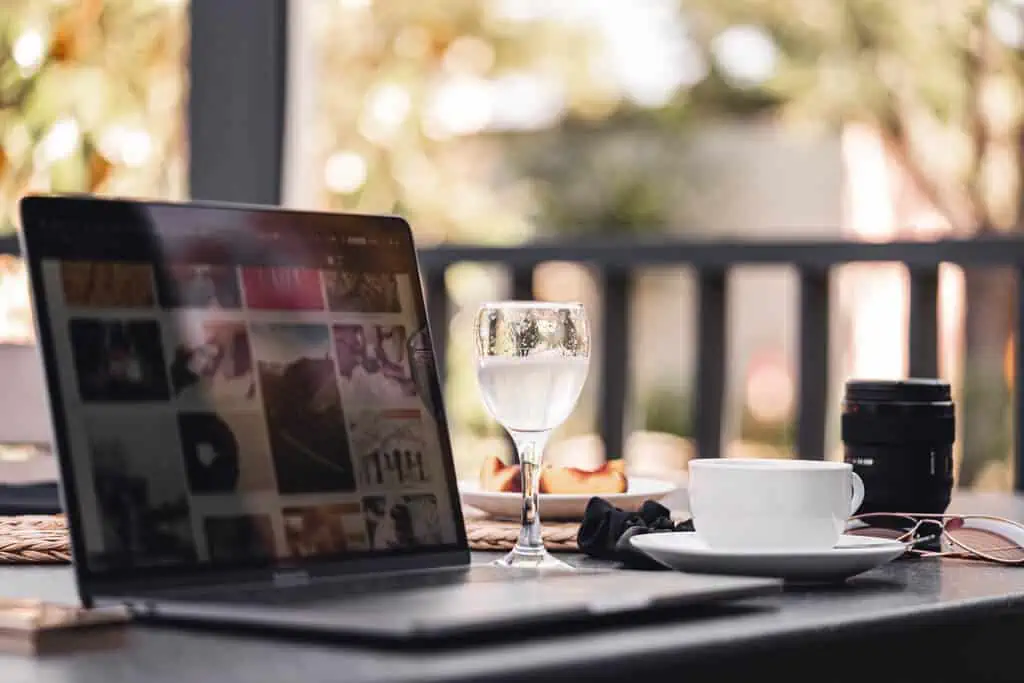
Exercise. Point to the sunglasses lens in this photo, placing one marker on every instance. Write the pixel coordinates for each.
(982, 537)
(987, 542)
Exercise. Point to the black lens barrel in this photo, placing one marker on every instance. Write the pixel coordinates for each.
(899, 435)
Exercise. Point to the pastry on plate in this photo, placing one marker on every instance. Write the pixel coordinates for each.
(497, 477)
(608, 478)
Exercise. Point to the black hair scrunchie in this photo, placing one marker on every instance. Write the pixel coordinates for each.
(606, 531)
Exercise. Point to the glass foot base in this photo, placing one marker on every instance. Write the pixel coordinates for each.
(523, 558)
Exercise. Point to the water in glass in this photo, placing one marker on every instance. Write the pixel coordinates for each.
(532, 362)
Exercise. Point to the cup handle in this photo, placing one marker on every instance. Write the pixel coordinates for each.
(858, 492)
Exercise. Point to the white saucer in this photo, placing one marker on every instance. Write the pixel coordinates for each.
(563, 506)
(685, 552)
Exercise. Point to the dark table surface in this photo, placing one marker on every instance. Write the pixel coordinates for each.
(932, 619)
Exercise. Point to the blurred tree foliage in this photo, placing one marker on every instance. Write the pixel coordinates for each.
(668, 411)
(945, 89)
(932, 77)
(407, 95)
(91, 97)
(624, 175)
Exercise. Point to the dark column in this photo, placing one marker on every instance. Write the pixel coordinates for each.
(923, 344)
(236, 99)
(615, 361)
(711, 354)
(814, 346)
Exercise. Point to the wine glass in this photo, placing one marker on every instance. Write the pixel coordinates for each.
(532, 361)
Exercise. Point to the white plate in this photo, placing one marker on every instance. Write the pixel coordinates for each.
(563, 506)
(685, 552)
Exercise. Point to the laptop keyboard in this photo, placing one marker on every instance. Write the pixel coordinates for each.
(343, 587)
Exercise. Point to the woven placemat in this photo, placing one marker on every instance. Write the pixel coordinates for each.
(34, 539)
(496, 534)
(43, 539)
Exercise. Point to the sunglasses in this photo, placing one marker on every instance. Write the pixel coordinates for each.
(976, 537)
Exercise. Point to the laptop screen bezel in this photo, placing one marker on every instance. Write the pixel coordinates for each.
(135, 215)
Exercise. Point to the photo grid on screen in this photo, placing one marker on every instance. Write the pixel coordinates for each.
(224, 414)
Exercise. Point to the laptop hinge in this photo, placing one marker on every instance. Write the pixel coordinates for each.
(279, 577)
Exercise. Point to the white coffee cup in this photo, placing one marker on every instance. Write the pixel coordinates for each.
(785, 505)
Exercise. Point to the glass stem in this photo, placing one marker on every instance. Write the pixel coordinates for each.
(530, 446)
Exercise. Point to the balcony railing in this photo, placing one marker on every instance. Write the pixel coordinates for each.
(617, 263)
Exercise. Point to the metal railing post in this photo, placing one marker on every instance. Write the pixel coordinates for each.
(615, 360)
(712, 349)
(923, 339)
(813, 378)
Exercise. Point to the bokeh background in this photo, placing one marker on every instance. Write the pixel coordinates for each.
(509, 121)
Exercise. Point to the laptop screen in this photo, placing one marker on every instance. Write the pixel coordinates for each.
(242, 387)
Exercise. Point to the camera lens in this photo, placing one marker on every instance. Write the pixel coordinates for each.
(898, 435)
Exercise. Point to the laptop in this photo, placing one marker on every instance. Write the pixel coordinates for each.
(249, 427)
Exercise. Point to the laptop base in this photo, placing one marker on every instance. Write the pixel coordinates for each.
(467, 607)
